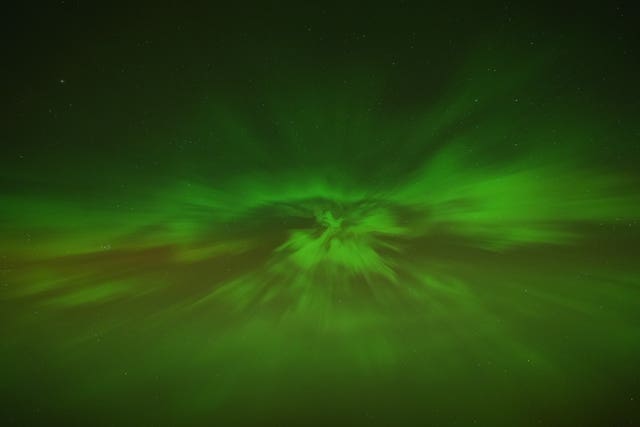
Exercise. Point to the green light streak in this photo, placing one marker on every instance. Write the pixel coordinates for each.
(329, 237)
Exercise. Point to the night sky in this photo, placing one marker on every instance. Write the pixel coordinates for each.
(320, 214)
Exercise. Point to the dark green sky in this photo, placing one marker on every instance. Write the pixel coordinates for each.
(320, 214)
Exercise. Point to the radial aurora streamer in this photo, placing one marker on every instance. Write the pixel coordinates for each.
(253, 237)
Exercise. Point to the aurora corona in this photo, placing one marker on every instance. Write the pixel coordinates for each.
(283, 217)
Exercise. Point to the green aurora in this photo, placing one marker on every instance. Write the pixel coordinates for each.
(334, 242)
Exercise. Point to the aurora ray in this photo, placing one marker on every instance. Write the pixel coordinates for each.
(372, 240)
